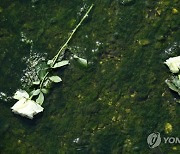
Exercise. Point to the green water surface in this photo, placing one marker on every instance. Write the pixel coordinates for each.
(109, 107)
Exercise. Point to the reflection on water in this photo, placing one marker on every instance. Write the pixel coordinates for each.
(172, 49)
(30, 73)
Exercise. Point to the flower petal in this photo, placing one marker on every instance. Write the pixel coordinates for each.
(27, 109)
(20, 94)
(36, 107)
(173, 64)
(19, 104)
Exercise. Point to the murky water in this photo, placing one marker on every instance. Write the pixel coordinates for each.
(109, 107)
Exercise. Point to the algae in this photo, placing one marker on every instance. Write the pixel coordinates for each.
(111, 106)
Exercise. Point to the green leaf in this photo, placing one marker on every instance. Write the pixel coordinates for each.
(171, 86)
(40, 99)
(178, 101)
(55, 79)
(83, 62)
(45, 91)
(31, 93)
(36, 82)
(42, 69)
(60, 64)
(36, 92)
(50, 62)
(42, 74)
(47, 84)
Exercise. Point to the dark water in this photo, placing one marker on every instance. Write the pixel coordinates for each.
(114, 104)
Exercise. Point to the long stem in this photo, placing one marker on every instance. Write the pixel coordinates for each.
(41, 84)
(74, 30)
(66, 43)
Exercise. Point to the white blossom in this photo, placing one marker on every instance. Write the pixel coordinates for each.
(21, 94)
(173, 64)
(25, 106)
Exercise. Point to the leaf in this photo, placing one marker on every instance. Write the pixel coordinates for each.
(31, 93)
(55, 79)
(81, 61)
(36, 92)
(50, 62)
(42, 70)
(45, 91)
(47, 84)
(36, 82)
(171, 86)
(177, 82)
(60, 64)
(40, 99)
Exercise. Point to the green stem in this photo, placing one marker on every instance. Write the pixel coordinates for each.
(74, 30)
(66, 43)
(41, 84)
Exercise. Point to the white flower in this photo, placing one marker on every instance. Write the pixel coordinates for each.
(21, 94)
(173, 64)
(25, 106)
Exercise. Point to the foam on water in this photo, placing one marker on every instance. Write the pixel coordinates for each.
(4, 97)
(30, 73)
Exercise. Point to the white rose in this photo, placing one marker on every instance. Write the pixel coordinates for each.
(173, 64)
(25, 106)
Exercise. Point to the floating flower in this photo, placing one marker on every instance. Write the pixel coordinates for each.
(173, 64)
(25, 106)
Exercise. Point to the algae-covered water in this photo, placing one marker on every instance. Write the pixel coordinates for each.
(111, 106)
